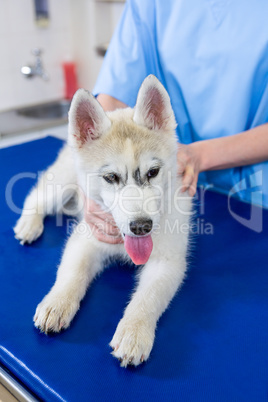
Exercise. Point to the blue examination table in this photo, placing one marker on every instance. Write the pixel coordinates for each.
(211, 344)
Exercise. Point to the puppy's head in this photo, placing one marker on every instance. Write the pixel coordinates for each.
(125, 160)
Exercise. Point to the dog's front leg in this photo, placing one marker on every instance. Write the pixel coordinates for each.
(81, 261)
(134, 336)
(55, 187)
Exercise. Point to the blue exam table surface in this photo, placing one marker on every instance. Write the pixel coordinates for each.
(211, 344)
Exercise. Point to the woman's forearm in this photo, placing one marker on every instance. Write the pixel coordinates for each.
(242, 149)
(109, 103)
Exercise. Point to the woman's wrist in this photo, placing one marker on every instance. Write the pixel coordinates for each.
(197, 150)
(209, 154)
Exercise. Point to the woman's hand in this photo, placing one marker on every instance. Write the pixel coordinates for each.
(102, 223)
(188, 165)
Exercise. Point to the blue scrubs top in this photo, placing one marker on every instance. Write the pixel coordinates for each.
(212, 57)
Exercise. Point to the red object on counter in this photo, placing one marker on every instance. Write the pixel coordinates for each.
(70, 79)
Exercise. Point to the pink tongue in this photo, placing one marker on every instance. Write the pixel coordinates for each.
(139, 248)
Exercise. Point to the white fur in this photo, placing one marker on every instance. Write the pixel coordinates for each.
(101, 144)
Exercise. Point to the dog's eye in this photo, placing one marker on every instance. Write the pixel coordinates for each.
(111, 178)
(153, 172)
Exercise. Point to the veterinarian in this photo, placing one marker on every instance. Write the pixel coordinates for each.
(212, 57)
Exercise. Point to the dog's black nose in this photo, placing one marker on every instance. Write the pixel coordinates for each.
(141, 227)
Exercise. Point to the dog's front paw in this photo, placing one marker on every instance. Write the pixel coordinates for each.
(132, 342)
(29, 228)
(55, 313)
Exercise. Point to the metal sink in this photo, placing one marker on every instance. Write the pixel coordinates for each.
(34, 118)
(54, 110)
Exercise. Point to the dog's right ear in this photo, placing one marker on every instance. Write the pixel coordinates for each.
(87, 119)
(153, 108)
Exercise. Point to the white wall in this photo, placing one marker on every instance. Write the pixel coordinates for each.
(93, 23)
(76, 26)
(18, 36)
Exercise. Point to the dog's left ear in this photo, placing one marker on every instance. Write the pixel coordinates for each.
(153, 108)
(87, 119)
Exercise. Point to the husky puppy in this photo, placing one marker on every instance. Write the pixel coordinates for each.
(125, 160)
